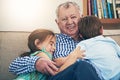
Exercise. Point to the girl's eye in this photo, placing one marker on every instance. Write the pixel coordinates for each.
(51, 44)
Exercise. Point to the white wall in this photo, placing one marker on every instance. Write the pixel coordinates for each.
(27, 15)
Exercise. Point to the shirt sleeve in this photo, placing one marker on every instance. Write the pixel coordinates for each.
(23, 65)
(118, 50)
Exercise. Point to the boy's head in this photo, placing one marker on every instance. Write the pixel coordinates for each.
(90, 26)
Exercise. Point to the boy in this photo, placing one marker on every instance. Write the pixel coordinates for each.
(102, 52)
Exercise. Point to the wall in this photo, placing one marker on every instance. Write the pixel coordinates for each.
(27, 15)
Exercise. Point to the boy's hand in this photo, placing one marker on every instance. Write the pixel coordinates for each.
(79, 53)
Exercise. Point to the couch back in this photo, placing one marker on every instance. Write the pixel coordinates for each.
(12, 44)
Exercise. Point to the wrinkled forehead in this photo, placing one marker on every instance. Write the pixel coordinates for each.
(68, 4)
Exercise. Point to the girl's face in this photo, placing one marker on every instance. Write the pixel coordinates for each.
(48, 44)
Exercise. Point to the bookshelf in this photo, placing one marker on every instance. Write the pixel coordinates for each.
(108, 23)
(111, 23)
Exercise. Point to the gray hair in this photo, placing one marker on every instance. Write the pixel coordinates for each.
(67, 5)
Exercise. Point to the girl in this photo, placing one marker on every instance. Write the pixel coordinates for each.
(41, 43)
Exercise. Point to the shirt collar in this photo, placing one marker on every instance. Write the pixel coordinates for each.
(67, 37)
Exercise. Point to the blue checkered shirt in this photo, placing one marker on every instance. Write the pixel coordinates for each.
(23, 65)
(64, 45)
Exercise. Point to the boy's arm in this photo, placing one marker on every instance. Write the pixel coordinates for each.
(60, 61)
(71, 58)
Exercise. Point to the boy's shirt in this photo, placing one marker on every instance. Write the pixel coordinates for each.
(102, 52)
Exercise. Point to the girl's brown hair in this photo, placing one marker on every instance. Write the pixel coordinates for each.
(89, 27)
(40, 34)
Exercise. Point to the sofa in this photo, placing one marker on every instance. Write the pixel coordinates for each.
(12, 44)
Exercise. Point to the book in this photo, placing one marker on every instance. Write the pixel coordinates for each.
(118, 8)
(118, 13)
(99, 6)
(89, 7)
(118, 2)
(104, 9)
(95, 8)
(110, 8)
(114, 9)
(85, 8)
(92, 7)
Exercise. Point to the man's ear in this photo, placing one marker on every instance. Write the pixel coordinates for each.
(56, 20)
(81, 36)
(101, 30)
(37, 43)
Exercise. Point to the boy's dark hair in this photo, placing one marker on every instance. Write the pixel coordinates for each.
(89, 26)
